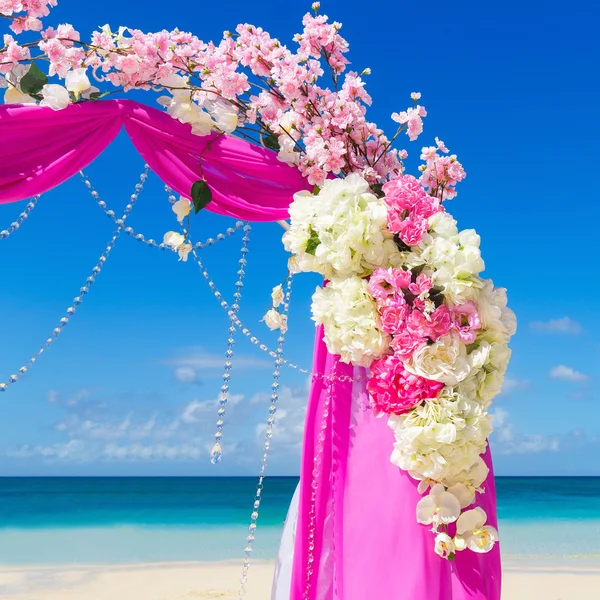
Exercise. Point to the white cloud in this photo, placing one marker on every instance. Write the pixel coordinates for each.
(197, 358)
(185, 374)
(54, 397)
(567, 374)
(196, 411)
(565, 325)
(507, 440)
(512, 384)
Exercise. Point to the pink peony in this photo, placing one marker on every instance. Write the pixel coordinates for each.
(394, 390)
(466, 321)
(433, 326)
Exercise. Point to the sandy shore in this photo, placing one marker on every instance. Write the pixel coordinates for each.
(219, 581)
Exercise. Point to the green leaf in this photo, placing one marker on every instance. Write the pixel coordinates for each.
(95, 96)
(270, 141)
(313, 242)
(316, 190)
(201, 195)
(33, 81)
(377, 189)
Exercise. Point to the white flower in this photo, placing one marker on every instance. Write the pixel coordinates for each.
(493, 312)
(439, 507)
(173, 239)
(350, 319)
(444, 545)
(275, 320)
(466, 484)
(441, 438)
(77, 81)
(182, 208)
(55, 96)
(178, 244)
(341, 231)
(183, 108)
(446, 360)
(477, 536)
(224, 113)
(183, 251)
(277, 295)
(13, 96)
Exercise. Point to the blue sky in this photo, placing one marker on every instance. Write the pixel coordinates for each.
(130, 385)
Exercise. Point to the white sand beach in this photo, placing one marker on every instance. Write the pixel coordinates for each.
(186, 581)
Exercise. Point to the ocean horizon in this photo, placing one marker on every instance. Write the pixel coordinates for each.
(128, 520)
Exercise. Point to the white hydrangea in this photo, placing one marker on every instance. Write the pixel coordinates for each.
(350, 319)
(451, 257)
(441, 438)
(341, 231)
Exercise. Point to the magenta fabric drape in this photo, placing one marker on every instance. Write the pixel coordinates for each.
(40, 148)
(368, 543)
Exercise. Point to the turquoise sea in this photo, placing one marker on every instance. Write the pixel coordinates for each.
(133, 520)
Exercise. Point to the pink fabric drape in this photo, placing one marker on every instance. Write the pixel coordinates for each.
(40, 148)
(368, 543)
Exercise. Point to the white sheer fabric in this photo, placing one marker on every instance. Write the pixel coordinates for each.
(282, 580)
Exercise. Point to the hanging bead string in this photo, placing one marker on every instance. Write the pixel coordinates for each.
(84, 290)
(139, 236)
(279, 361)
(224, 304)
(317, 468)
(16, 224)
(216, 452)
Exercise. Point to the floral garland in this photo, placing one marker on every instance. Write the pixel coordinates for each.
(404, 293)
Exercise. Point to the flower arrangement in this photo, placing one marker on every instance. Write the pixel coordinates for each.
(404, 293)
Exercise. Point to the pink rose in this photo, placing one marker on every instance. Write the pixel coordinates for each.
(394, 390)
(387, 282)
(406, 343)
(394, 312)
(466, 321)
(433, 326)
(422, 285)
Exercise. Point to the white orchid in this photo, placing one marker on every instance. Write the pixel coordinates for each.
(182, 208)
(439, 507)
(444, 545)
(477, 536)
(275, 320)
(177, 242)
(55, 96)
(77, 81)
(277, 296)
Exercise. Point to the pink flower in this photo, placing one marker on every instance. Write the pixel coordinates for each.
(394, 312)
(406, 343)
(387, 282)
(466, 321)
(394, 390)
(422, 285)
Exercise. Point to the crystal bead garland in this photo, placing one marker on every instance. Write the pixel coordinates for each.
(317, 468)
(5, 233)
(86, 288)
(150, 242)
(216, 453)
(253, 338)
(266, 447)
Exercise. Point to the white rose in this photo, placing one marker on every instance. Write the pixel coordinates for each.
(55, 96)
(173, 239)
(77, 81)
(446, 360)
(492, 309)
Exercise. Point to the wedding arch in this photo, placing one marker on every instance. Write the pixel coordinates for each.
(408, 330)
